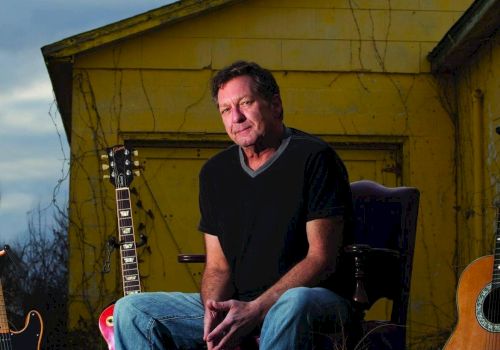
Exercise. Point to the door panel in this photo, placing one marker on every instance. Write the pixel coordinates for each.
(168, 195)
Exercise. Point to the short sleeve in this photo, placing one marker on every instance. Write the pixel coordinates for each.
(207, 221)
(328, 190)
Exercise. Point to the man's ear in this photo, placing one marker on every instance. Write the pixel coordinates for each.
(277, 106)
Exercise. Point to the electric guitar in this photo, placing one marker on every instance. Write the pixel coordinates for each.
(121, 174)
(478, 303)
(29, 338)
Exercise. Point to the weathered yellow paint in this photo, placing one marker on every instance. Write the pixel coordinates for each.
(352, 72)
(168, 188)
(390, 39)
(476, 88)
(466, 64)
(132, 26)
(478, 162)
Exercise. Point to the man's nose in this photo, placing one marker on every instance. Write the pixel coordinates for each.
(237, 116)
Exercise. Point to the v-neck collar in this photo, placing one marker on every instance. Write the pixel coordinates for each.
(253, 173)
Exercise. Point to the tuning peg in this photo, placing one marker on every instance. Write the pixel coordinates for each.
(105, 176)
(137, 173)
(136, 163)
(135, 152)
(104, 156)
(104, 166)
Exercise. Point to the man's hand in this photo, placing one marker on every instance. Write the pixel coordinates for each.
(240, 320)
(212, 319)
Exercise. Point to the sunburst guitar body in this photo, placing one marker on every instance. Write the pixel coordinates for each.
(478, 303)
(28, 338)
(106, 326)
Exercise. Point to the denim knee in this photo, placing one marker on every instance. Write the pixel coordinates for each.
(127, 305)
(311, 305)
(298, 293)
(295, 301)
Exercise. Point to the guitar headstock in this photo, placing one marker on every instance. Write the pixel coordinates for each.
(121, 166)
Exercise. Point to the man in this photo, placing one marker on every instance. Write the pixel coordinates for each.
(274, 207)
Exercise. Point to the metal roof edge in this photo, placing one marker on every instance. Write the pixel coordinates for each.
(59, 56)
(477, 24)
(131, 26)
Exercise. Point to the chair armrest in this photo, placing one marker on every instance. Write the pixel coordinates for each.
(360, 253)
(364, 249)
(191, 258)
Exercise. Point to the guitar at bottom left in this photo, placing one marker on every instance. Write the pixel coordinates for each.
(29, 338)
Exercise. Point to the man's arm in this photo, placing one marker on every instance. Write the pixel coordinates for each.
(325, 238)
(215, 284)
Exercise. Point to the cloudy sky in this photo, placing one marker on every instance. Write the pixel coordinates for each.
(33, 146)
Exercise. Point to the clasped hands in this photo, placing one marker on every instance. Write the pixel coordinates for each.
(227, 323)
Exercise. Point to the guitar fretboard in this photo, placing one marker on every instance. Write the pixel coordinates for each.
(4, 323)
(495, 282)
(128, 252)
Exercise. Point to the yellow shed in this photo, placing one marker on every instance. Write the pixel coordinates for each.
(467, 66)
(352, 72)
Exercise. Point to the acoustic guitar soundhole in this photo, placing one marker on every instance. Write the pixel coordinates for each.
(488, 308)
(491, 306)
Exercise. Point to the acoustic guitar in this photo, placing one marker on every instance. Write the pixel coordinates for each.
(478, 303)
(28, 338)
(121, 174)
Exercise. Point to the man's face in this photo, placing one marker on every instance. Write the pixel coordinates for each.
(247, 117)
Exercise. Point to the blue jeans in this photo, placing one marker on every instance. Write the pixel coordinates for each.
(163, 320)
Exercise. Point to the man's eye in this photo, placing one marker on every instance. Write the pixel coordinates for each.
(246, 102)
(224, 110)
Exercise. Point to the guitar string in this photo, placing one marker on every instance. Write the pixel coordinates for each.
(492, 312)
(6, 341)
(495, 286)
(123, 197)
(492, 308)
(5, 337)
(492, 338)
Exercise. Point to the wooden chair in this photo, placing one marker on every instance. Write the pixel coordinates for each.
(378, 264)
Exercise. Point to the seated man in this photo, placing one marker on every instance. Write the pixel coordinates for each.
(274, 209)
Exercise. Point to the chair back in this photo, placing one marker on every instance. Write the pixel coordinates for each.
(385, 219)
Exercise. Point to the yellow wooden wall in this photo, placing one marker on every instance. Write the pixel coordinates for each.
(474, 94)
(353, 72)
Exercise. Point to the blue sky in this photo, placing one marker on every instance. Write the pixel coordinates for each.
(33, 148)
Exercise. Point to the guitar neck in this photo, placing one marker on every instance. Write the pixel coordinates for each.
(495, 282)
(128, 252)
(4, 323)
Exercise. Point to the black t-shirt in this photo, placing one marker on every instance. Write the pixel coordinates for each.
(260, 217)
